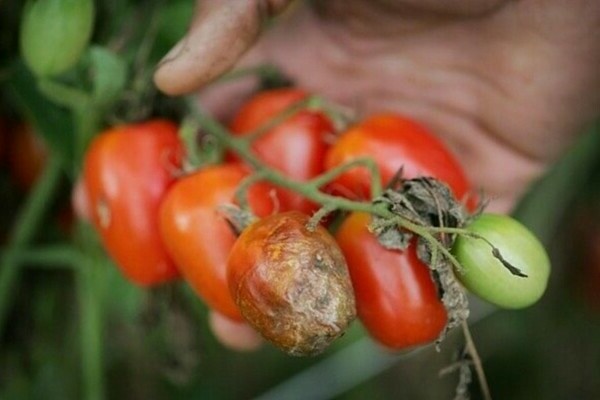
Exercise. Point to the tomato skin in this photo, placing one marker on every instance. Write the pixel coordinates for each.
(486, 277)
(394, 142)
(291, 283)
(27, 156)
(197, 235)
(127, 171)
(396, 299)
(295, 147)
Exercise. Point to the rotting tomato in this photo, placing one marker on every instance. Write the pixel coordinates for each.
(291, 283)
(198, 236)
(396, 298)
(295, 147)
(127, 171)
(393, 142)
(486, 276)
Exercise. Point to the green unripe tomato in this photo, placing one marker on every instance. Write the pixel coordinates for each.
(54, 34)
(486, 276)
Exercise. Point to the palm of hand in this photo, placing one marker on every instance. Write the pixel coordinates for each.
(506, 84)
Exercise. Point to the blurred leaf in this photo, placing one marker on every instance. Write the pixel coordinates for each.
(109, 76)
(51, 121)
(175, 17)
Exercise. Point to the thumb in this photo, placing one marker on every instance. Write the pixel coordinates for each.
(220, 33)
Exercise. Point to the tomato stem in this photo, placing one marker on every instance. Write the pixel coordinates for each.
(241, 193)
(333, 173)
(28, 220)
(51, 257)
(307, 189)
(188, 133)
(88, 296)
(472, 350)
(287, 113)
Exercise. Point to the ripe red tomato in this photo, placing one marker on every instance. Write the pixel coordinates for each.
(295, 147)
(197, 235)
(127, 171)
(394, 142)
(291, 283)
(27, 156)
(396, 299)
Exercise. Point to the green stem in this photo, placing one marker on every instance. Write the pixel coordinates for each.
(24, 230)
(87, 123)
(188, 132)
(88, 293)
(472, 350)
(51, 257)
(241, 193)
(64, 95)
(281, 117)
(242, 149)
(369, 163)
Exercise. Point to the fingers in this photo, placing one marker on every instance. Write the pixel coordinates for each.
(220, 34)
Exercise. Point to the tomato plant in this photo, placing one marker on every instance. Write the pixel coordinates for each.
(296, 147)
(54, 34)
(291, 283)
(486, 276)
(127, 171)
(396, 299)
(393, 142)
(197, 235)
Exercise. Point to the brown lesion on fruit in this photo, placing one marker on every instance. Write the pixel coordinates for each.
(298, 294)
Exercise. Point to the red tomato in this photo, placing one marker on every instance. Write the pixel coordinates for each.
(27, 156)
(396, 299)
(127, 171)
(394, 142)
(295, 147)
(197, 235)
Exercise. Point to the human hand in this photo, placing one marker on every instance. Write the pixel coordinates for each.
(507, 84)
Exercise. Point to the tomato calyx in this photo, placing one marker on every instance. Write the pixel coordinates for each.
(237, 218)
(426, 202)
(429, 204)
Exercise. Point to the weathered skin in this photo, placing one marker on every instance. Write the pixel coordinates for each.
(291, 284)
(506, 84)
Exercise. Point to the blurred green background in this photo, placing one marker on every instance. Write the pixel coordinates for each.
(155, 344)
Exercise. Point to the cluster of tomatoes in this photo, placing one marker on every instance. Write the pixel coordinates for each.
(299, 286)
